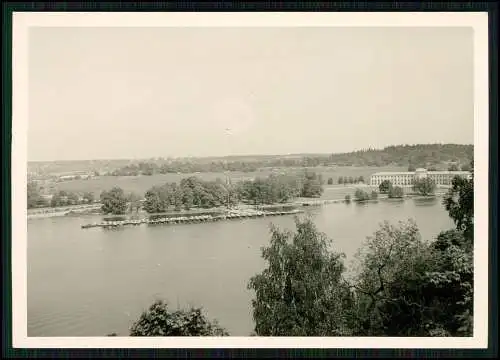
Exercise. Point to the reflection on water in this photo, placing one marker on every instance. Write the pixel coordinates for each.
(93, 282)
(426, 201)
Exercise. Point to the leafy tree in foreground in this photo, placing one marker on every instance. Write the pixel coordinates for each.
(385, 186)
(114, 201)
(300, 293)
(424, 187)
(158, 320)
(408, 287)
(394, 255)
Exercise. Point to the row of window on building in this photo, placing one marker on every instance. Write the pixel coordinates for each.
(407, 178)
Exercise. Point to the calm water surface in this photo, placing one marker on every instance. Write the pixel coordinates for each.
(93, 282)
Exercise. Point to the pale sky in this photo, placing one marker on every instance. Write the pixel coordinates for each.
(99, 93)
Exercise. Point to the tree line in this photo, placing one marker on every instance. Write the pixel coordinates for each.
(193, 192)
(404, 285)
(423, 187)
(413, 156)
(35, 199)
(347, 180)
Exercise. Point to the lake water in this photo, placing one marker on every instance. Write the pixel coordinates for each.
(93, 282)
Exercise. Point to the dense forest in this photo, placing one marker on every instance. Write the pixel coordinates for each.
(420, 155)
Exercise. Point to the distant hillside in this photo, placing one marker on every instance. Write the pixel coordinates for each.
(420, 155)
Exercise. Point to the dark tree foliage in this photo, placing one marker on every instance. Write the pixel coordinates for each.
(280, 188)
(63, 198)
(459, 202)
(158, 320)
(425, 186)
(395, 192)
(312, 185)
(89, 197)
(408, 287)
(388, 259)
(114, 201)
(300, 293)
(34, 196)
(385, 186)
(361, 195)
(191, 192)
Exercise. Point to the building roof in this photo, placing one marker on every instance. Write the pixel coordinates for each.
(444, 172)
(394, 173)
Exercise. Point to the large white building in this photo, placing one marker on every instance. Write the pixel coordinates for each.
(406, 178)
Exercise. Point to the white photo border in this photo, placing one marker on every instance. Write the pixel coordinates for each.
(22, 21)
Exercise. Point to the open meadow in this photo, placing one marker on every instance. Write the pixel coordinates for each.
(140, 184)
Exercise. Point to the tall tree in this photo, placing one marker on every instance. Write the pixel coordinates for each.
(393, 255)
(459, 202)
(300, 293)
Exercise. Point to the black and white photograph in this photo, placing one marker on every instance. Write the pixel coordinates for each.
(250, 178)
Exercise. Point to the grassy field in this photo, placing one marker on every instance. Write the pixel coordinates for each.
(140, 184)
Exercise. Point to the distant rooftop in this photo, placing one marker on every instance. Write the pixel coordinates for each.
(395, 173)
(420, 170)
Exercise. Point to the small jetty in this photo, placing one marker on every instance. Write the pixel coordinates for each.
(192, 219)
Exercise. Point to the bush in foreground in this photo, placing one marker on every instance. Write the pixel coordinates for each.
(158, 320)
